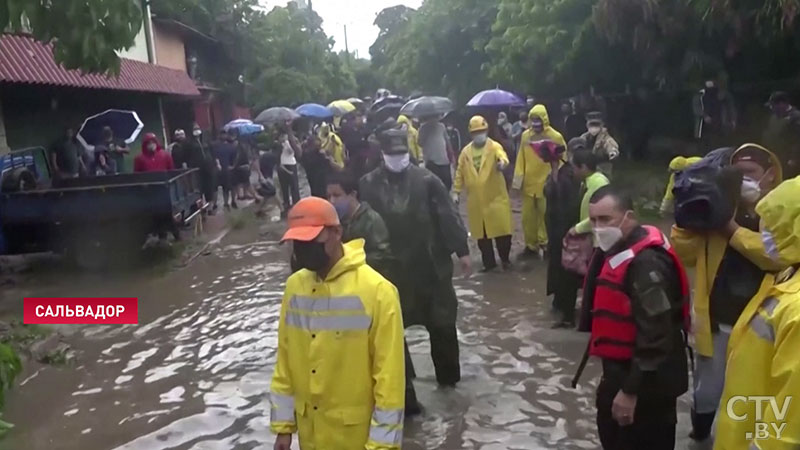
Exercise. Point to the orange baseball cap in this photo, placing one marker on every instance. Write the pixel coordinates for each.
(308, 217)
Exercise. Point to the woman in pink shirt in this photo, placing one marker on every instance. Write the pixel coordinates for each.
(153, 157)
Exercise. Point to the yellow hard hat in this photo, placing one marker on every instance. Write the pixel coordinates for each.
(478, 123)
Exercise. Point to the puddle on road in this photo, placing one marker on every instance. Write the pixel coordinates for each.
(196, 376)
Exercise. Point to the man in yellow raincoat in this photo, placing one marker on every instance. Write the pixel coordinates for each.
(760, 408)
(339, 380)
(677, 164)
(413, 139)
(530, 175)
(480, 174)
(730, 265)
(331, 145)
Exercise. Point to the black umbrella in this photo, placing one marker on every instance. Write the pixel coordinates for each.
(390, 100)
(275, 115)
(427, 106)
(126, 125)
(385, 112)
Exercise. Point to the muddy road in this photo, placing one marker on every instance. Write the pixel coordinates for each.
(195, 373)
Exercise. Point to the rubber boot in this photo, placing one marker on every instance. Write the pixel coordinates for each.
(701, 425)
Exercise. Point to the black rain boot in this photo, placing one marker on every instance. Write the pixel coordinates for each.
(701, 425)
(412, 406)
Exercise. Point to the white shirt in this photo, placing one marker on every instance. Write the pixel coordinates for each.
(287, 155)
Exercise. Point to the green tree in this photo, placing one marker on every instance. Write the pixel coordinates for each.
(86, 34)
(440, 48)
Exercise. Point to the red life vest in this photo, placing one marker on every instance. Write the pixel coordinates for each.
(613, 327)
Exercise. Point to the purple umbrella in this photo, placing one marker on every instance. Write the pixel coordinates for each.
(496, 97)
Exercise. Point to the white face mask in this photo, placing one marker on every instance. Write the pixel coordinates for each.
(397, 163)
(751, 190)
(152, 147)
(197, 132)
(608, 237)
(479, 140)
(594, 130)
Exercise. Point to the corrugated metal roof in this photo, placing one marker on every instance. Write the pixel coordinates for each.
(25, 60)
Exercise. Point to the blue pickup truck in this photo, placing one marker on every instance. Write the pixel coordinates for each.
(93, 219)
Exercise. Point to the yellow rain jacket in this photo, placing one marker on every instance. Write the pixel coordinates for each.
(531, 171)
(763, 348)
(704, 252)
(339, 381)
(332, 145)
(413, 138)
(488, 206)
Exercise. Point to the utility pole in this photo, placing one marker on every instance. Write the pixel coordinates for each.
(346, 48)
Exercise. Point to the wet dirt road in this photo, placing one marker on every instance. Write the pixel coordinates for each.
(195, 373)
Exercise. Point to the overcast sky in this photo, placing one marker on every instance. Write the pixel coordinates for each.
(358, 15)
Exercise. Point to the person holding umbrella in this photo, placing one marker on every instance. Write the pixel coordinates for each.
(480, 174)
(530, 176)
(115, 149)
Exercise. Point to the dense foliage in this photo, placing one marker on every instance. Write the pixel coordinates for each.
(10, 367)
(284, 56)
(86, 33)
(566, 46)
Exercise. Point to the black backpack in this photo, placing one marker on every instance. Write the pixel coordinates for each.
(707, 192)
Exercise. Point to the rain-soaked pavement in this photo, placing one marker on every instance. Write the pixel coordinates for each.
(194, 374)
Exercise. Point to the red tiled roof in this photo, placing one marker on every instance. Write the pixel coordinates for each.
(25, 60)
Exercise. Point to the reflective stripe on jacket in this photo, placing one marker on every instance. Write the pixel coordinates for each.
(339, 380)
(613, 327)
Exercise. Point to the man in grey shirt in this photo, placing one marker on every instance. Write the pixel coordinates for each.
(436, 149)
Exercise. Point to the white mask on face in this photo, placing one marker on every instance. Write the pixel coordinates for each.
(751, 190)
(151, 147)
(479, 140)
(197, 132)
(608, 237)
(397, 163)
(594, 130)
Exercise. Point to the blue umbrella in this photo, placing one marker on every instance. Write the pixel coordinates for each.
(496, 97)
(245, 127)
(126, 125)
(314, 110)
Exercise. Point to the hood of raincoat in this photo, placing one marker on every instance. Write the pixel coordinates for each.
(540, 111)
(776, 162)
(354, 257)
(404, 120)
(780, 216)
(681, 162)
(148, 138)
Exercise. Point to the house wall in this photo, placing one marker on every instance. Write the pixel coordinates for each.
(37, 115)
(139, 50)
(170, 51)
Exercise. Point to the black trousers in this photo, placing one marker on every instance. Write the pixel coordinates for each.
(411, 394)
(565, 295)
(317, 182)
(444, 352)
(503, 244)
(653, 425)
(443, 172)
(290, 185)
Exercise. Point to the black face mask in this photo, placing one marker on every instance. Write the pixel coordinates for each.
(311, 255)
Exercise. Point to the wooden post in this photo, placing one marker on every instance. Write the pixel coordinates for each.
(3, 141)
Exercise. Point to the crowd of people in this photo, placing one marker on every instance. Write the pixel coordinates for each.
(373, 246)
(377, 257)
